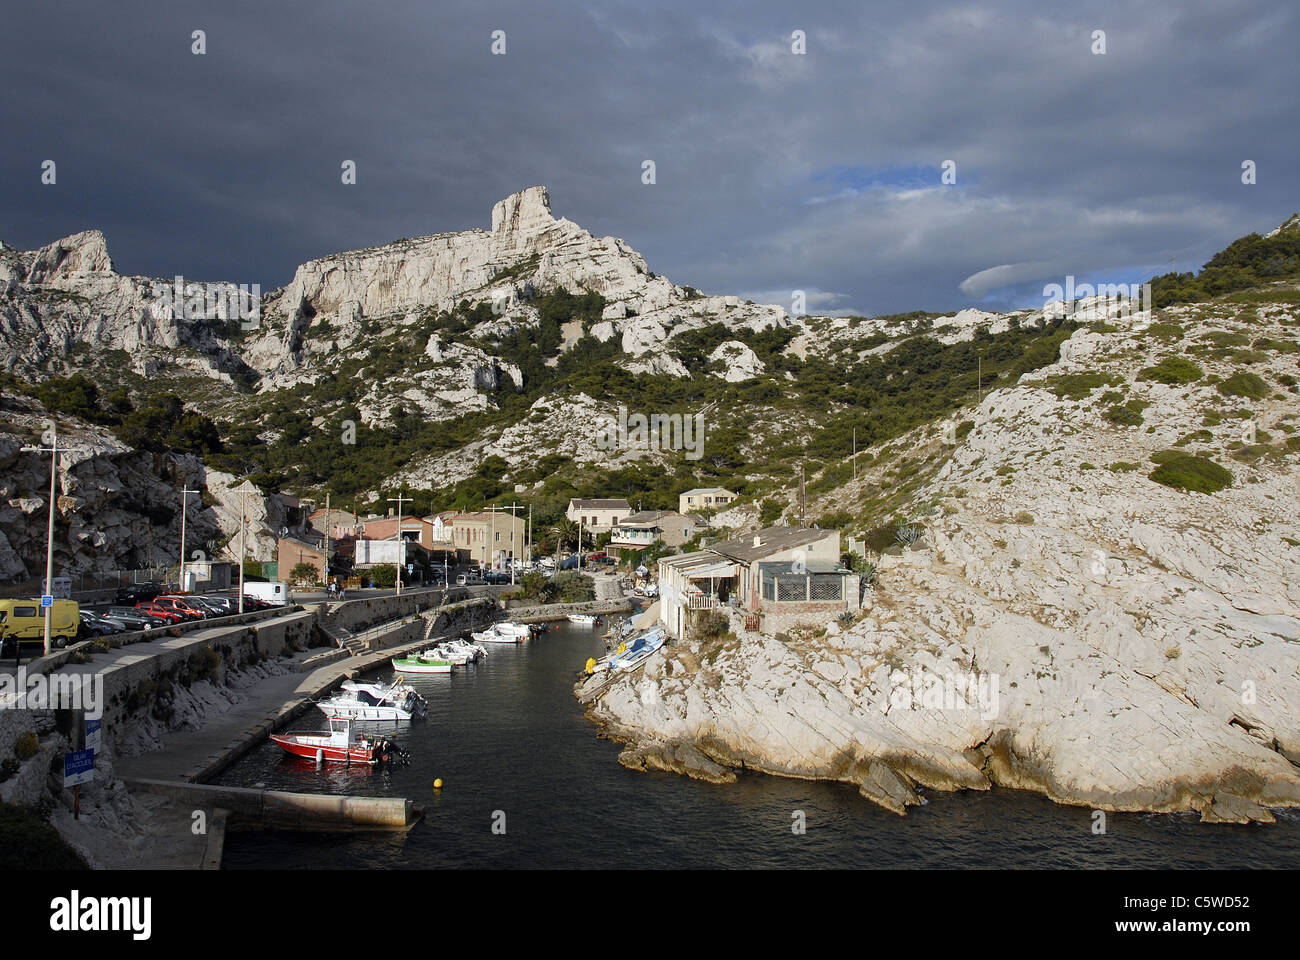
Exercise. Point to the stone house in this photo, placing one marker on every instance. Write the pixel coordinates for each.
(704, 498)
(648, 527)
(597, 516)
(789, 575)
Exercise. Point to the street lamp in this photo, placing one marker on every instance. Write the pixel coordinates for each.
(185, 499)
(53, 451)
(243, 490)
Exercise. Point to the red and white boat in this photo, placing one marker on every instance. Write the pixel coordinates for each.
(338, 746)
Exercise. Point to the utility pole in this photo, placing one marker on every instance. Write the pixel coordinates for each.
(979, 378)
(53, 451)
(512, 508)
(529, 541)
(244, 489)
(801, 497)
(401, 554)
(855, 453)
(326, 564)
(185, 499)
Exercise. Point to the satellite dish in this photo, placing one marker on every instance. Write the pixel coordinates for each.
(284, 531)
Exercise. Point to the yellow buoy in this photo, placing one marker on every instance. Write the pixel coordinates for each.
(437, 784)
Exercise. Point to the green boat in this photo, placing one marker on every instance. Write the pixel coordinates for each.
(422, 663)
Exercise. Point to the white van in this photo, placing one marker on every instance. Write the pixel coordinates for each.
(274, 592)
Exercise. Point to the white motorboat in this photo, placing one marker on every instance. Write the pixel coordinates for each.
(523, 630)
(494, 635)
(472, 650)
(373, 701)
(458, 656)
(583, 619)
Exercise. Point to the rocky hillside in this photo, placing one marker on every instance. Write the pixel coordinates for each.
(1111, 544)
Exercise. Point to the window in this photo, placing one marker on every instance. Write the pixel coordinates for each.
(24, 612)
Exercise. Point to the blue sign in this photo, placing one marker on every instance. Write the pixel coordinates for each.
(47, 600)
(78, 767)
(93, 733)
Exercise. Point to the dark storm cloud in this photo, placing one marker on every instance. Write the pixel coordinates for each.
(775, 171)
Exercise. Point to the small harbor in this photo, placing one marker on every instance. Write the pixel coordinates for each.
(514, 751)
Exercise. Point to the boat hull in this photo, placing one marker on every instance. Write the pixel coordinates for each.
(420, 666)
(313, 747)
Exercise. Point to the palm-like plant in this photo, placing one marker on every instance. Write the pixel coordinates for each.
(564, 531)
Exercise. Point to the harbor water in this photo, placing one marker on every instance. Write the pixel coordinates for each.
(527, 784)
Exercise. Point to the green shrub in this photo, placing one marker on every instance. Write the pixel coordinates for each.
(1188, 472)
(1244, 384)
(574, 587)
(26, 746)
(1076, 386)
(1122, 466)
(1173, 370)
(28, 842)
(1125, 415)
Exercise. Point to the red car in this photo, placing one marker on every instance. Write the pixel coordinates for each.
(155, 609)
(191, 611)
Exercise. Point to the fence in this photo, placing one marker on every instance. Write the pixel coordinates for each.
(87, 586)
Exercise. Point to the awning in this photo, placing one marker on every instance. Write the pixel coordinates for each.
(711, 571)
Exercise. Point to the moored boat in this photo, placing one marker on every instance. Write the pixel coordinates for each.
(337, 746)
(583, 619)
(373, 701)
(493, 635)
(426, 662)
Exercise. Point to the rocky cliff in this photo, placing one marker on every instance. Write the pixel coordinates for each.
(1132, 626)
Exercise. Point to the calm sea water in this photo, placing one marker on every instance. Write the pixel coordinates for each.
(507, 735)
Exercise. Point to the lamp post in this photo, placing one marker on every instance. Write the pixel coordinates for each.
(53, 451)
(185, 499)
(401, 554)
(244, 489)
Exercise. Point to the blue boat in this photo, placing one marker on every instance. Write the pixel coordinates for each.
(636, 651)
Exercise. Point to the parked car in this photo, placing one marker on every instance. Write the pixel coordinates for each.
(216, 606)
(134, 619)
(135, 593)
(470, 580)
(155, 609)
(93, 625)
(185, 606)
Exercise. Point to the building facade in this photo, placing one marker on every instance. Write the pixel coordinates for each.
(704, 498)
(789, 575)
(597, 516)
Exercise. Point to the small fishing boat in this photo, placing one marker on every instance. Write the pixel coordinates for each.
(373, 701)
(583, 619)
(632, 654)
(426, 662)
(516, 628)
(337, 746)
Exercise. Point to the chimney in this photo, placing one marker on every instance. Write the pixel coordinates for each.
(758, 540)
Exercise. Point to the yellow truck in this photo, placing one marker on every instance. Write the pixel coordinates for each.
(24, 620)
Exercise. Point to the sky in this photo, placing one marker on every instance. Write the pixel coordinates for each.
(774, 170)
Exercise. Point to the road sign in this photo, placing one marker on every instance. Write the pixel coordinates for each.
(410, 568)
(47, 600)
(78, 767)
(93, 733)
